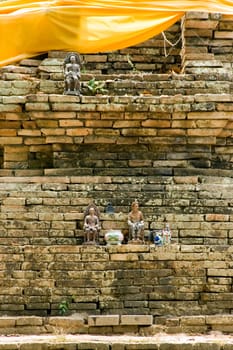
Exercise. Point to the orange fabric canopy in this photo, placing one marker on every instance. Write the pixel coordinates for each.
(28, 28)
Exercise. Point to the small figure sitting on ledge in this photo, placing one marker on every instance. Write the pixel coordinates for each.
(91, 224)
(72, 74)
(136, 223)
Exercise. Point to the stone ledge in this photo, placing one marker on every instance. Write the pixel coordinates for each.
(123, 320)
(140, 320)
(124, 342)
(105, 320)
(142, 325)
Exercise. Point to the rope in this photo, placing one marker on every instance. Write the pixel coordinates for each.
(166, 54)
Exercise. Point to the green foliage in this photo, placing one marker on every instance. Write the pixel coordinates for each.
(63, 307)
(96, 87)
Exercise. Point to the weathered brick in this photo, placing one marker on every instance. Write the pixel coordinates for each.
(191, 23)
(67, 107)
(217, 217)
(7, 322)
(29, 321)
(112, 320)
(142, 320)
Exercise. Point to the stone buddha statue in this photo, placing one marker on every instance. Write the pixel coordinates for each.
(72, 74)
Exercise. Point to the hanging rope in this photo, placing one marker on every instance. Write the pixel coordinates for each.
(166, 54)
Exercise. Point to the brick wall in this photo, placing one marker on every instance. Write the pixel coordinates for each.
(120, 135)
(42, 210)
(128, 279)
(162, 137)
(206, 41)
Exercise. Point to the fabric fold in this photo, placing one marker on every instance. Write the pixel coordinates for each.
(28, 28)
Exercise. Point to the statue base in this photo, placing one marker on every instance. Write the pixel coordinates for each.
(72, 93)
(136, 241)
(90, 243)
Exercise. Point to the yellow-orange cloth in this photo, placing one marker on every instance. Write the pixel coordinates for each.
(28, 28)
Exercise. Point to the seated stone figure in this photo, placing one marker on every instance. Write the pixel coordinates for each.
(136, 223)
(72, 74)
(91, 225)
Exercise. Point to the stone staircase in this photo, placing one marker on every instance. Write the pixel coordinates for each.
(161, 134)
(127, 342)
(48, 78)
(113, 325)
(48, 209)
(70, 333)
(115, 332)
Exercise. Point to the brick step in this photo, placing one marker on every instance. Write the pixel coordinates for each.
(48, 210)
(20, 81)
(142, 325)
(54, 173)
(119, 88)
(143, 89)
(119, 342)
(55, 72)
(28, 177)
(184, 287)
